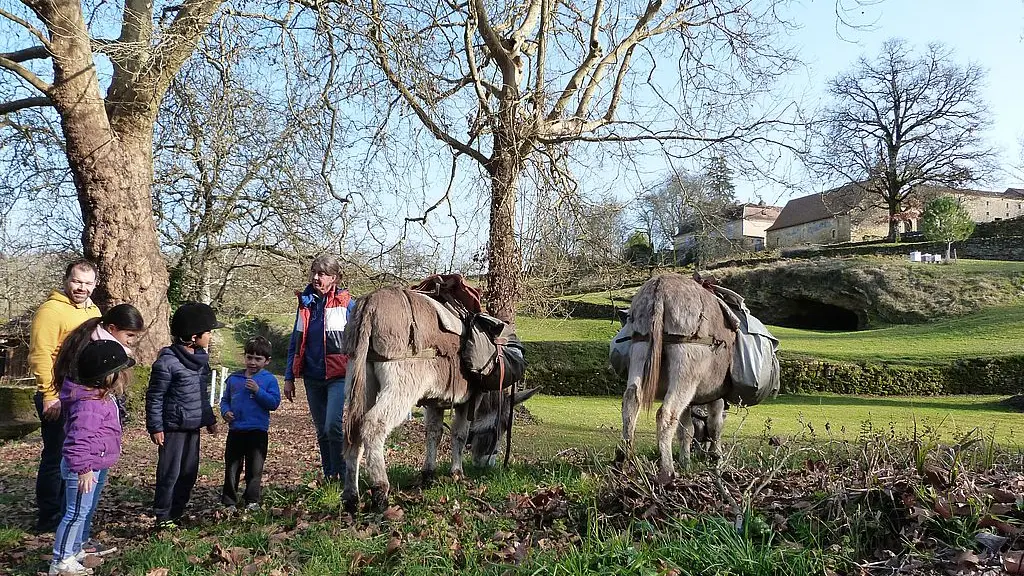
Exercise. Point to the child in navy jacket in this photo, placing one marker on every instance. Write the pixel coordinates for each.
(249, 397)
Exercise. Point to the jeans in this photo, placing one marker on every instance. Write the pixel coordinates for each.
(76, 526)
(49, 482)
(326, 400)
(248, 447)
(177, 468)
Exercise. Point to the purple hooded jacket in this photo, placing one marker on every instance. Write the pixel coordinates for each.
(92, 428)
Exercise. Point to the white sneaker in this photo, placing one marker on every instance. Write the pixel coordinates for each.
(69, 567)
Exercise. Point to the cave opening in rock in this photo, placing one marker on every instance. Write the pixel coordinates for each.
(812, 315)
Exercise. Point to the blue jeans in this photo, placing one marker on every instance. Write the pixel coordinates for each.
(76, 526)
(326, 399)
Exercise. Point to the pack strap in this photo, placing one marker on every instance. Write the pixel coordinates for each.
(427, 354)
(676, 339)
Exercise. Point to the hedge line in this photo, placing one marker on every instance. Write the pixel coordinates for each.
(580, 369)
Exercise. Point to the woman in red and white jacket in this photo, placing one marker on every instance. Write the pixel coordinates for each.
(314, 354)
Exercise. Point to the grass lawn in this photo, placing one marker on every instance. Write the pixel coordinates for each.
(991, 332)
(596, 423)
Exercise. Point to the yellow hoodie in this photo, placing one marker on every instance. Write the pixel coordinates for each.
(54, 319)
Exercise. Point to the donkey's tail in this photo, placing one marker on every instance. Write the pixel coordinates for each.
(652, 370)
(355, 401)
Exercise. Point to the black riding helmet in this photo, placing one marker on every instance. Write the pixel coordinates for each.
(192, 318)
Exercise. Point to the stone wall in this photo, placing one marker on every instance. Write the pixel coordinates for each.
(1001, 248)
(1011, 227)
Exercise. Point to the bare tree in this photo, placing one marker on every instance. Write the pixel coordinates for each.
(108, 140)
(507, 84)
(233, 182)
(901, 121)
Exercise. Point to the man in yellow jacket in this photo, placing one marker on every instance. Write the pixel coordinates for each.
(62, 312)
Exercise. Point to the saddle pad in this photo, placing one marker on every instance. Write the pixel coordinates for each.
(446, 319)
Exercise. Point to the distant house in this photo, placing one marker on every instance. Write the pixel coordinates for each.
(743, 229)
(850, 213)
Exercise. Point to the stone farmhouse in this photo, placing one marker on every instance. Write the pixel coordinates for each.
(743, 229)
(851, 214)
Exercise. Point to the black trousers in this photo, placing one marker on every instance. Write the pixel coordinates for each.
(248, 447)
(176, 472)
(49, 484)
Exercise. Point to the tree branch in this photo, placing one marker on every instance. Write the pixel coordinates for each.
(26, 74)
(33, 53)
(27, 26)
(15, 105)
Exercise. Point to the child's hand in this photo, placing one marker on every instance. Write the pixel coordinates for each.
(86, 482)
(212, 428)
(157, 438)
(251, 385)
(229, 416)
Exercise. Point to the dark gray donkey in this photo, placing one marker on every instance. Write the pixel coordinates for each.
(404, 350)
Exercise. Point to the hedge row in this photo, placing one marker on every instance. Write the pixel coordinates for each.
(580, 369)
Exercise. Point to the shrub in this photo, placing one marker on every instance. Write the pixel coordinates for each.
(581, 369)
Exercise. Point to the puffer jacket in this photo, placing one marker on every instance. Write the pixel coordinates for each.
(178, 397)
(251, 409)
(92, 430)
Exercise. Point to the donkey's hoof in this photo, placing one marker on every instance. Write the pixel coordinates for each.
(350, 503)
(665, 476)
(427, 478)
(379, 497)
(620, 455)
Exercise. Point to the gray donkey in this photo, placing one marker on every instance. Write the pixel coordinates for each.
(404, 350)
(681, 352)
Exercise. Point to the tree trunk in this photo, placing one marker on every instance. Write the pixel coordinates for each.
(504, 274)
(112, 166)
(120, 234)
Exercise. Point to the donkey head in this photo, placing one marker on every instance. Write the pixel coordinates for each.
(490, 422)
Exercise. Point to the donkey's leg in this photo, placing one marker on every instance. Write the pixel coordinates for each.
(350, 495)
(684, 433)
(716, 422)
(631, 398)
(677, 369)
(460, 434)
(433, 418)
(398, 394)
(353, 450)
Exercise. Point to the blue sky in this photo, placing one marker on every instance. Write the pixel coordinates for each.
(988, 32)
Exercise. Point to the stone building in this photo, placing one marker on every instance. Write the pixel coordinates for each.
(742, 230)
(850, 213)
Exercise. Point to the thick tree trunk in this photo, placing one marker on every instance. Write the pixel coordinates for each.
(120, 234)
(504, 274)
(112, 166)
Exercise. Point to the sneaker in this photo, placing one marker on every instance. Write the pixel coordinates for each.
(166, 525)
(252, 507)
(68, 567)
(94, 548)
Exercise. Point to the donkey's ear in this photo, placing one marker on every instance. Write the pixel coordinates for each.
(524, 395)
(623, 316)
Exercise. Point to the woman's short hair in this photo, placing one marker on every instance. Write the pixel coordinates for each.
(326, 264)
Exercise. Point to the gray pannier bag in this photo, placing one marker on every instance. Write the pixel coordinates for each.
(755, 368)
(492, 353)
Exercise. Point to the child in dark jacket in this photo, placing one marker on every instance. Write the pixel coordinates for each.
(178, 405)
(249, 397)
(92, 444)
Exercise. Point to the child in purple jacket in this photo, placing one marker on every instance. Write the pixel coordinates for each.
(92, 444)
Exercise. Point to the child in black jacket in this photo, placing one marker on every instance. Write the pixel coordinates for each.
(178, 405)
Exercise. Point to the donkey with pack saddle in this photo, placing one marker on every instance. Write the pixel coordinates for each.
(404, 349)
(693, 343)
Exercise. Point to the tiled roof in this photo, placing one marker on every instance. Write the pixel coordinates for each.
(819, 206)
